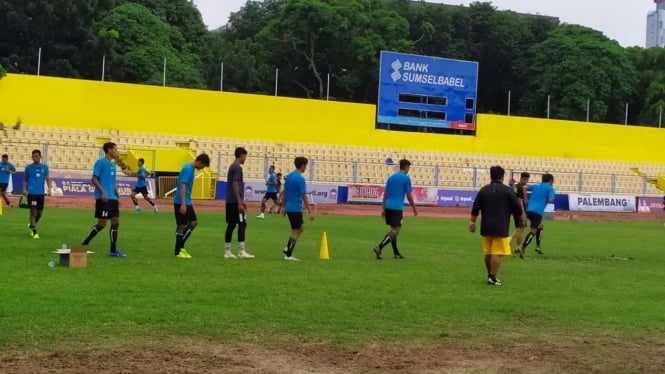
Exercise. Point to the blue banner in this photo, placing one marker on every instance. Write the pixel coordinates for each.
(427, 91)
(455, 198)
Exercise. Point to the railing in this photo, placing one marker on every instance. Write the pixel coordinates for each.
(72, 154)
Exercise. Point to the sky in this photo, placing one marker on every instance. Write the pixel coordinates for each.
(622, 20)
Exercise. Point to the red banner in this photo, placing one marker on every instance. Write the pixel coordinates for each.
(458, 125)
(367, 193)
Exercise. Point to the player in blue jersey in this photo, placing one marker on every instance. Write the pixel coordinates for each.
(142, 187)
(278, 206)
(541, 195)
(271, 190)
(6, 171)
(295, 196)
(33, 189)
(107, 204)
(398, 185)
(185, 216)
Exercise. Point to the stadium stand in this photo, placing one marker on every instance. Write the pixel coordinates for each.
(68, 119)
(76, 149)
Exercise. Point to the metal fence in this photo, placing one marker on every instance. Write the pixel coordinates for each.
(69, 156)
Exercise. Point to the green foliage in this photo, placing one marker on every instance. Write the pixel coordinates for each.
(313, 38)
(531, 56)
(60, 27)
(136, 42)
(600, 284)
(2, 72)
(649, 101)
(576, 64)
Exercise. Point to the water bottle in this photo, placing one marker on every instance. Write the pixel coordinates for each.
(51, 264)
(64, 246)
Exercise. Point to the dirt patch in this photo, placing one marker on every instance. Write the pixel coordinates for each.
(571, 356)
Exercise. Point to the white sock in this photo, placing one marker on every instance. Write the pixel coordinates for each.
(241, 246)
(227, 247)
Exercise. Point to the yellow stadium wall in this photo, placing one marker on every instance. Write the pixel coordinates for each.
(72, 103)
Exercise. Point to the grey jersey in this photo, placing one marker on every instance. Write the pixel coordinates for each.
(234, 174)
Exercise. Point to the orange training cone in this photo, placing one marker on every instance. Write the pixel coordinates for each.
(323, 253)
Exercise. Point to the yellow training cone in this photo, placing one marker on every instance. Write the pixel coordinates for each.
(323, 254)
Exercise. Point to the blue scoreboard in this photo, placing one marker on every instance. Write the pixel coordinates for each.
(427, 91)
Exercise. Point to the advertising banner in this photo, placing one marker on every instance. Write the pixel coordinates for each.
(650, 204)
(84, 187)
(373, 194)
(317, 193)
(426, 91)
(602, 203)
(456, 198)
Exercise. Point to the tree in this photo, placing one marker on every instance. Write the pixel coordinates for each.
(243, 69)
(183, 15)
(2, 72)
(576, 64)
(343, 38)
(253, 17)
(135, 43)
(60, 28)
(648, 105)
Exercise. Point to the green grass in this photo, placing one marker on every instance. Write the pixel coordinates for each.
(438, 292)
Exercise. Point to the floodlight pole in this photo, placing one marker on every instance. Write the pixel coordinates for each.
(39, 61)
(276, 79)
(221, 78)
(328, 88)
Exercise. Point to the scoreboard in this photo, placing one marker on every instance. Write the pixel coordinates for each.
(424, 91)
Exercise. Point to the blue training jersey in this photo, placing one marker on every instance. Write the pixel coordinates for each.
(186, 176)
(104, 170)
(36, 175)
(294, 187)
(397, 185)
(140, 177)
(272, 187)
(5, 168)
(540, 194)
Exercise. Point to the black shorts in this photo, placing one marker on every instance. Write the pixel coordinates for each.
(189, 216)
(394, 217)
(296, 220)
(535, 219)
(270, 195)
(36, 201)
(3, 187)
(107, 210)
(141, 190)
(233, 215)
(518, 222)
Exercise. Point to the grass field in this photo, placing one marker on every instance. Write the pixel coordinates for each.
(597, 280)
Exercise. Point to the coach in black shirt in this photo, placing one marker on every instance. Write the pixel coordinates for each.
(496, 202)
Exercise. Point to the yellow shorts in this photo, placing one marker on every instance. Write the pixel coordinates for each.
(493, 245)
